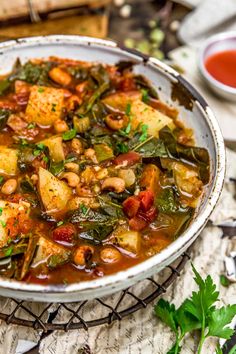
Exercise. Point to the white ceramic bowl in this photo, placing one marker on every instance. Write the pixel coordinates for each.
(217, 43)
(173, 89)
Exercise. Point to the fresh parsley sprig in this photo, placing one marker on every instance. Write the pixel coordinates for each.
(197, 313)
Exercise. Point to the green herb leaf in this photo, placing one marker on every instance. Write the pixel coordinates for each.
(145, 97)
(3, 223)
(1, 210)
(70, 134)
(60, 223)
(219, 320)
(1, 179)
(8, 251)
(224, 281)
(83, 208)
(166, 312)
(128, 109)
(144, 135)
(56, 167)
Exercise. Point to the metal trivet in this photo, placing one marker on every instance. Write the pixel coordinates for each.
(63, 316)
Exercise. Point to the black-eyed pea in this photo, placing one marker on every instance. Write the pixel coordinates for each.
(71, 178)
(77, 146)
(9, 187)
(110, 255)
(82, 255)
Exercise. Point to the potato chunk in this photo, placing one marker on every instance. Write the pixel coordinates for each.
(129, 241)
(8, 161)
(140, 113)
(56, 151)
(50, 253)
(9, 210)
(54, 193)
(45, 105)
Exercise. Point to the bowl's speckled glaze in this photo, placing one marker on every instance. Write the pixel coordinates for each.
(173, 89)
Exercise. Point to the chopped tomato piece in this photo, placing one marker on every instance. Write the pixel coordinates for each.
(149, 215)
(146, 199)
(128, 159)
(64, 234)
(131, 206)
(137, 223)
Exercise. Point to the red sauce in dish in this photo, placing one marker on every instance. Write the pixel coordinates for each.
(222, 66)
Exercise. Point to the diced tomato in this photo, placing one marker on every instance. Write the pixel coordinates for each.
(148, 215)
(64, 234)
(137, 223)
(131, 206)
(146, 199)
(128, 159)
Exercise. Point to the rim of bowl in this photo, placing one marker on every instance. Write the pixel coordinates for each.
(189, 235)
(220, 37)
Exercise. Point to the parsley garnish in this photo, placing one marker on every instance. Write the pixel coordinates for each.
(144, 134)
(3, 223)
(1, 179)
(45, 159)
(40, 89)
(197, 313)
(224, 281)
(1, 210)
(83, 208)
(70, 134)
(60, 223)
(128, 109)
(8, 251)
(39, 148)
(145, 97)
(31, 126)
(122, 147)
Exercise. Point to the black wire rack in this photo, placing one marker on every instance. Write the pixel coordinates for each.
(62, 316)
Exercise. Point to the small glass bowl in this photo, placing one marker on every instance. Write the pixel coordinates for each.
(217, 43)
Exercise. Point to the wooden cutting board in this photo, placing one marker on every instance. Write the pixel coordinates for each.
(89, 25)
(20, 8)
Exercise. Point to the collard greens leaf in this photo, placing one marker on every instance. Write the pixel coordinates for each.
(218, 321)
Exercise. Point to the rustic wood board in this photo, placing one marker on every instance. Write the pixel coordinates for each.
(88, 25)
(20, 8)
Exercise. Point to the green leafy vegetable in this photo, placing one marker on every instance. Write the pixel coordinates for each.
(224, 281)
(33, 73)
(144, 135)
(56, 167)
(199, 156)
(69, 135)
(4, 86)
(145, 96)
(103, 152)
(151, 147)
(197, 313)
(96, 225)
(166, 201)
(1, 179)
